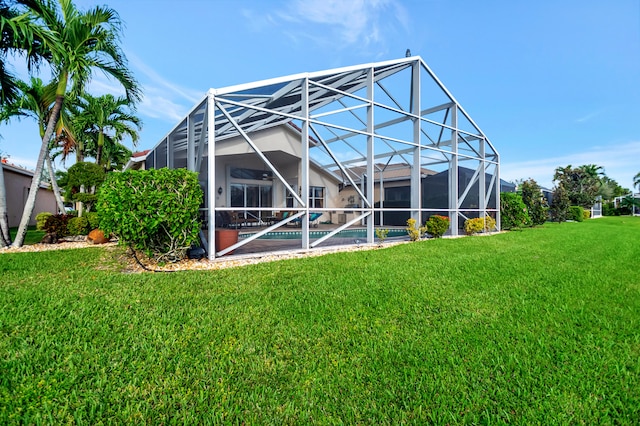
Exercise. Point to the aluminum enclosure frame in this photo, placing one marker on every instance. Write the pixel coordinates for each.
(375, 116)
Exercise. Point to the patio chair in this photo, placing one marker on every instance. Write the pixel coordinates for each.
(313, 217)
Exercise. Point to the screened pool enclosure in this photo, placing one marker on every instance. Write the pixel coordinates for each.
(359, 147)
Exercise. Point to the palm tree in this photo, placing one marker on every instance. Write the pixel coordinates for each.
(107, 121)
(8, 43)
(11, 40)
(77, 43)
(636, 181)
(35, 101)
(592, 170)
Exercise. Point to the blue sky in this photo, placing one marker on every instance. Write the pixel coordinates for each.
(551, 83)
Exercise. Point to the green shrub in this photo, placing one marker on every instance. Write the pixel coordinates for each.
(576, 213)
(94, 220)
(489, 223)
(437, 225)
(382, 234)
(608, 209)
(414, 231)
(155, 210)
(586, 214)
(534, 201)
(57, 224)
(560, 204)
(477, 225)
(41, 219)
(78, 226)
(513, 212)
(473, 226)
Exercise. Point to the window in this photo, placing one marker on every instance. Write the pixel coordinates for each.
(316, 197)
(250, 174)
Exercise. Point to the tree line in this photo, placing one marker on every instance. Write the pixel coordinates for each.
(576, 189)
(73, 44)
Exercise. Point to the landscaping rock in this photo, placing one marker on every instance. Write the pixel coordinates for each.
(97, 237)
(50, 238)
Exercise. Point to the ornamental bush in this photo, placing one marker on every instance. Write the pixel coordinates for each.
(489, 223)
(57, 224)
(477, 225)
(513, 212)
(94, 220)
(437, 225)
(534, 201)
(78, 226)
(155, 211)
(41, 219)
(576, 213)
(473, 226)
(414, 231)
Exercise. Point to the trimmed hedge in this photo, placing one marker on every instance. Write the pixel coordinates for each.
(155, 211)
(576, 213)
(78, 226)
(41, 220)
(437, 225)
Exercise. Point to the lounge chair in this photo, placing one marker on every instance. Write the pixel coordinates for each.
(313, 217)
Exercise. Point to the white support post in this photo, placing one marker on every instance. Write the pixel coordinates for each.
(453, 173)
(497, 189)
(482, 184)
(211, 173)
(304, 160)
(416, 190)
(170, 149)
(191, 148)
(382, 198)
(370, 158)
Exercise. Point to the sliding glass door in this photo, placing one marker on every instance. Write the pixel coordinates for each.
(244, 196)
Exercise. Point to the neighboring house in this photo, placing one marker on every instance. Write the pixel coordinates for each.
(304, 145)
(17, 181)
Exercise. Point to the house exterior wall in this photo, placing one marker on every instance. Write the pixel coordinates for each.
(17, 183)
(282, 145)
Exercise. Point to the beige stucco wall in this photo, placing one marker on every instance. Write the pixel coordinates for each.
(277, 141)
(17, 189)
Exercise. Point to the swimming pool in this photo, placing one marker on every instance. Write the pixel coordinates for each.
(296, 235)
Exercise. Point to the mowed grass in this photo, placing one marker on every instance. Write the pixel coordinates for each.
(540, 326)
(33, 235)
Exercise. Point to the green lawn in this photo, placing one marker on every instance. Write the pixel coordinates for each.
(540, 326)
(33, 235)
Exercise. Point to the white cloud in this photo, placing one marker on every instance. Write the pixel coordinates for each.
(619, 161)
(351, 21)
(155, 81)
(156, 106)
(588, 117)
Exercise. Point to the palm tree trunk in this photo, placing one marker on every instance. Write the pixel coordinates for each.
(54, 185)
(37, 175)
(99, 150)
(5, 237)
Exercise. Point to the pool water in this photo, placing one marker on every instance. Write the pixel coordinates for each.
(296, 235)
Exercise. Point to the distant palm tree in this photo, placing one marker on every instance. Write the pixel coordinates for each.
(592, 170)
(636, 180)
(76, 43)
(108, 121)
